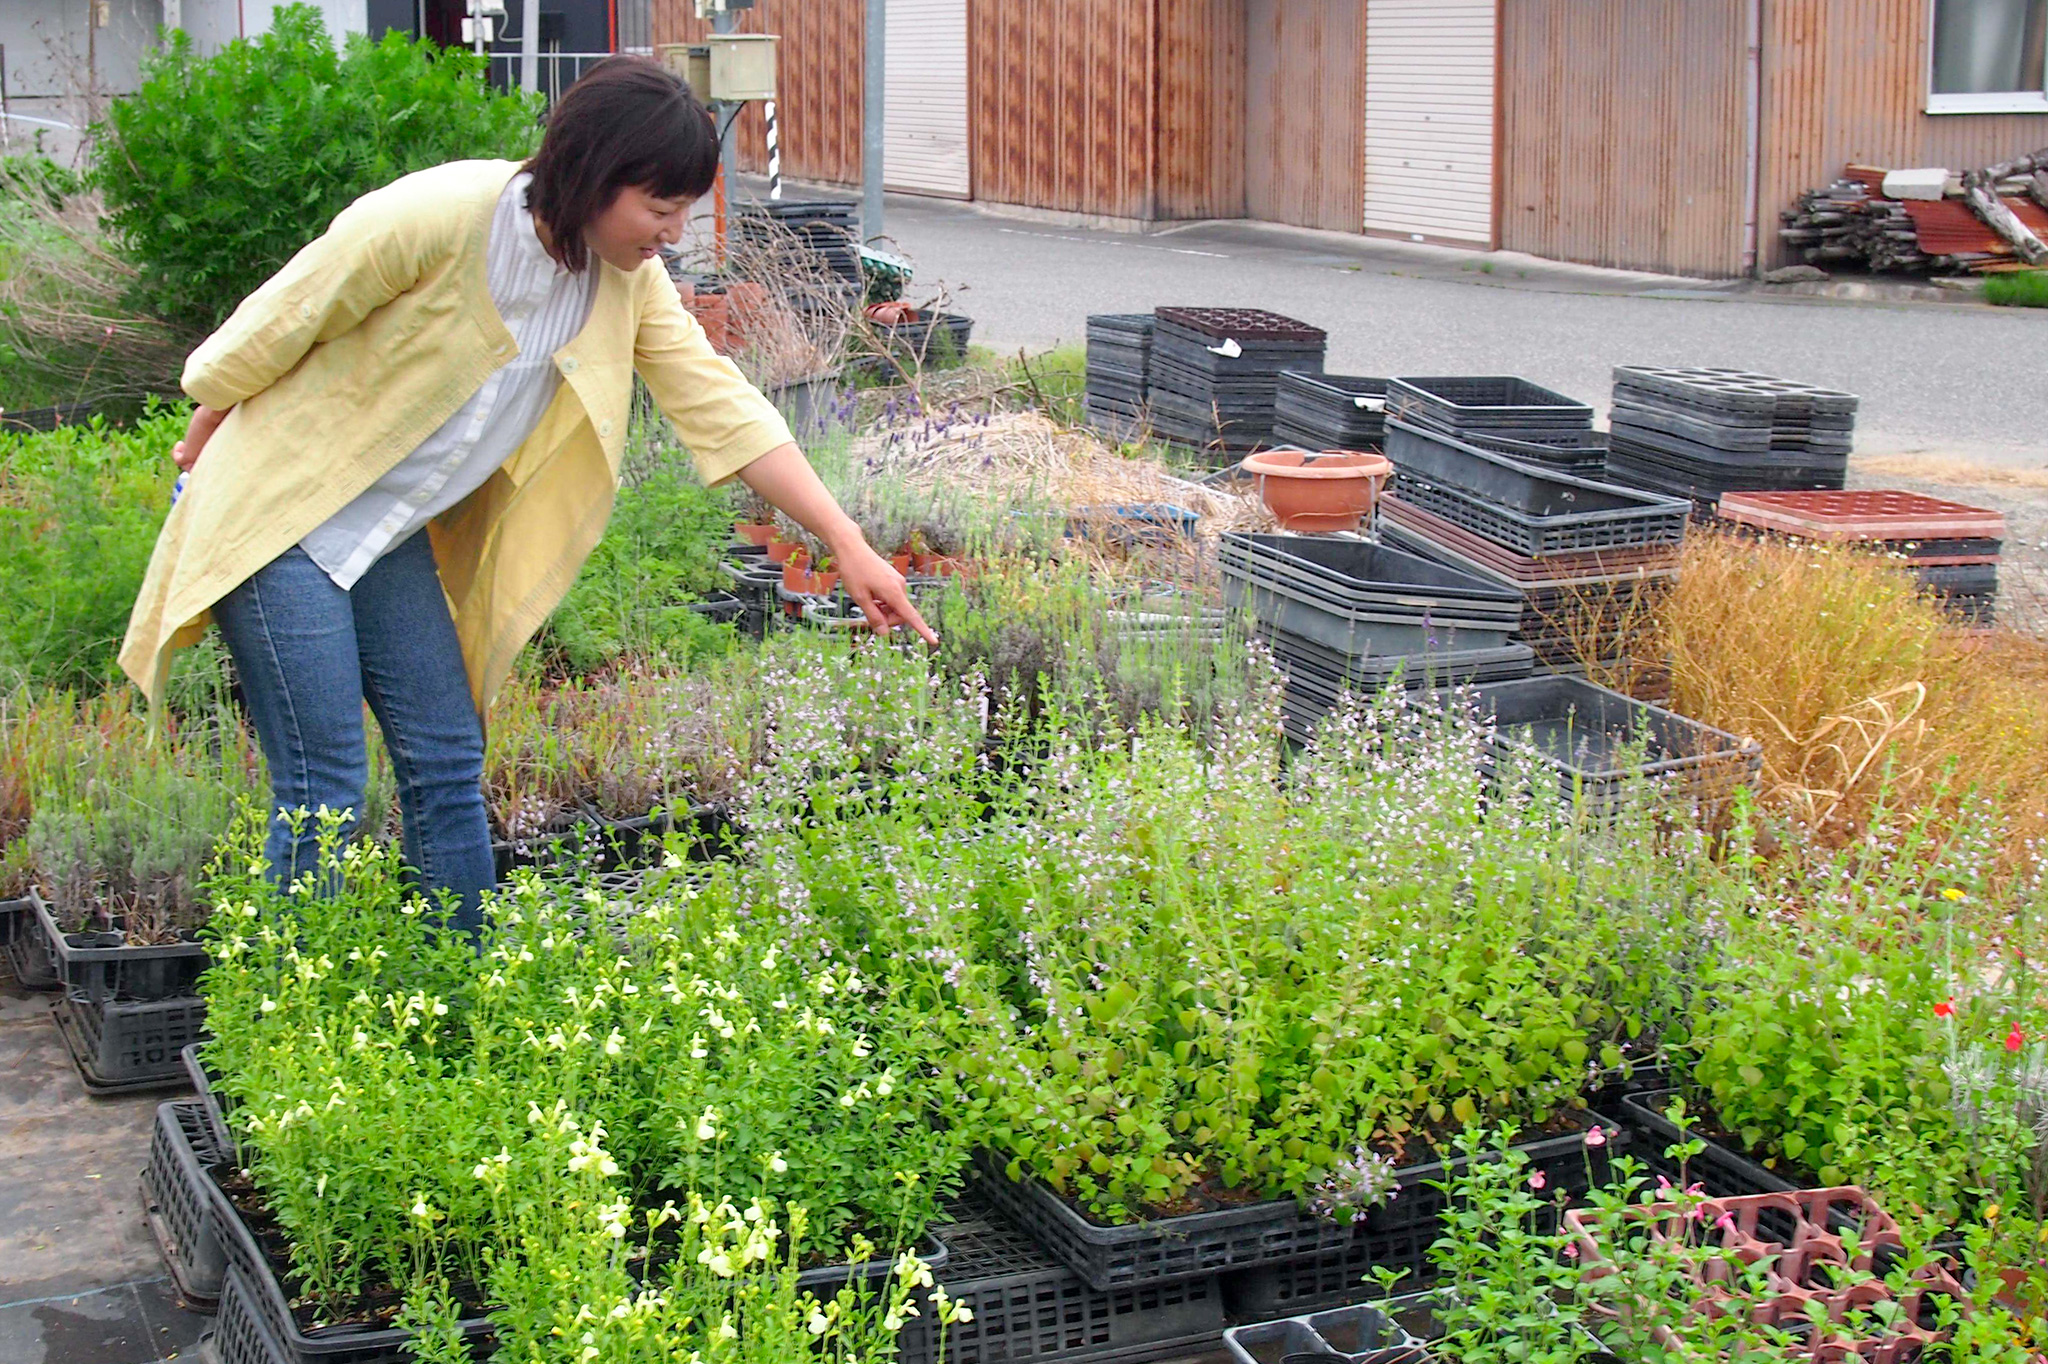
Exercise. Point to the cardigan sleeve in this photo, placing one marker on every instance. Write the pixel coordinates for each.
(724, 421)
(375, 250)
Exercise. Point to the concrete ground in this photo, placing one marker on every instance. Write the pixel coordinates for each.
(80, 1278)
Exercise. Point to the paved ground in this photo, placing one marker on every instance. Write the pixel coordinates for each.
(80, 1278)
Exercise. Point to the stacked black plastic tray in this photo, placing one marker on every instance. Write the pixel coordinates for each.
(1699, 433)
(1330, 411)
(1340, 613)
(1504, 414)
(1119, 353)
(1214, 373)
(1581, 554)
(829, 229)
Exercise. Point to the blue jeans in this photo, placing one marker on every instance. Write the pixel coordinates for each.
(308, 655)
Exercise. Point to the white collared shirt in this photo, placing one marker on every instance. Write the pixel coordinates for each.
(544, 306)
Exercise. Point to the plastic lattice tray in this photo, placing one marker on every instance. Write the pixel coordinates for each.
(1735, 390)
(1242, 324)
(1354, 1334)
(1719, 1171)
(1864, 514)
(103, 966)
(121, 1048)
(1461, 403)
(175, 1191)
(1029, 1306)
(27, 946)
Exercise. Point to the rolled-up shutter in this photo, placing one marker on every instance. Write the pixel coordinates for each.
(925, 127)
(1429, 73)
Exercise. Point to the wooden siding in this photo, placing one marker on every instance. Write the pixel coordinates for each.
(1622, 132)
(1199, 117)
(1060, 104)
(1304, 154)
(819, 77)
(1846, 80)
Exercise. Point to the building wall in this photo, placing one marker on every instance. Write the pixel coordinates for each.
(1304, 158)
(49, 76)
(1199, 107)
(1060, 103)
(820, 56)
(1846, 80)
(1622, 132)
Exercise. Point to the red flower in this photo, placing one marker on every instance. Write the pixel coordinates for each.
(1945, 1009)
(2015, 1039)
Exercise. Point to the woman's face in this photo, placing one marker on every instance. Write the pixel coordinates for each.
(635, 227)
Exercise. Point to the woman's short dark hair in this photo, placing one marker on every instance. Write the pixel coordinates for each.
(628, 121)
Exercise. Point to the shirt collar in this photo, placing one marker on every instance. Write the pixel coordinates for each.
(525, 239)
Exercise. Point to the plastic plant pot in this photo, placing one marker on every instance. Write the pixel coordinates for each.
(809, 581)
(1333, 490)
(780, 550)
(758, 533)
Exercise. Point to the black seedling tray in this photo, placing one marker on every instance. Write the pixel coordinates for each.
(1720, 436)
(27, 946)
(1681, 447)
(1242, 324)
(1536, 512)
(1320, 688)
(1342, 1335)
(1490, 402)
(127, 1048)
(103, 966)
(175, 1191)
(1720, 1172)
(1362, 573)
(1736, 390)
(1359, 633)
(1959, 580)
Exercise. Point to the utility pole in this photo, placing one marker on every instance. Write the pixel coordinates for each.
(724, 111)
(529, 45)
(873, 106)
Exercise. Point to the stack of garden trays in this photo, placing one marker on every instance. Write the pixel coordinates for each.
(1330, 411)
(1952, 548)
(1699, 433)
(1596, 743)
(125, 1010)
(827, 230)
(1584, 557)
(1214, 373)
(1342, 613)
(1504, 414)
(1119, 353)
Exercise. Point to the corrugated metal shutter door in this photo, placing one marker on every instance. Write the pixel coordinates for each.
(925, 127)
(1429, 118)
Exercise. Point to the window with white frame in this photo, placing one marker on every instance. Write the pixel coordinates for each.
(1990, 56)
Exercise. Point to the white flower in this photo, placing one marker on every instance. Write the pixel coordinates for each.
(818, 1322)
(727, 1331)
(615, 1044)
(440, 1009)
(861, 1047)
(705, 1125)
(777, 1165)
(268, 1006)
(420, 1208)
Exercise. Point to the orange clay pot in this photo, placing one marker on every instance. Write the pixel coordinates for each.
(780, 550)
(1334, 490)
(754, 532)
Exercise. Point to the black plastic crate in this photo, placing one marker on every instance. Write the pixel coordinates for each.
(1713, 435)
(103, 966)
(211, 1103)
(1722, 1173)
(1734, 390)
(1242, 324)
(1359, 633)
(240, 1334)
(1029, 1306)
(122, 1048)
(1484, 402)
(175, 1191)
(250, 1288)
(1336, 1333)
(1529, 510)
(1361, 574)
(27, 946)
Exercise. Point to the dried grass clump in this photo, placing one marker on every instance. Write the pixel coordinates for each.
(1858, 687)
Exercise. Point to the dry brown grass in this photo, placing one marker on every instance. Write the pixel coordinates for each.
(1855, 685)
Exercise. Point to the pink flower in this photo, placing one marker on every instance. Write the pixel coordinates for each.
(1538, 1180)
(2015, 1039)
(1571, 1250)
(1945, 1009)
(1596, 1137)
(1726, 1222)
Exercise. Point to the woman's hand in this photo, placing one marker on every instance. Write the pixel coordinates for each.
(785, 478)
(877, 589)
(205, 421)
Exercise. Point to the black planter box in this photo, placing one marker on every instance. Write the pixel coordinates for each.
(102, 967)
(175, 1192)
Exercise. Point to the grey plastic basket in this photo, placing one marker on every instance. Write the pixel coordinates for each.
(175, 1191)
(126, 1048)
(27, 946)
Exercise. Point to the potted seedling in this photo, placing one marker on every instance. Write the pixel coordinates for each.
(756, 522)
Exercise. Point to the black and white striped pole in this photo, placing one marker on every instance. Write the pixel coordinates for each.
(774, 153)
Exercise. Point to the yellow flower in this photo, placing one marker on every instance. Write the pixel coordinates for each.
(1951, 894)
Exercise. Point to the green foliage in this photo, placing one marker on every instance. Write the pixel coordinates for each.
(631, 603)
(34, 174)
(218, 169)
(2017, 289)
(79, 512)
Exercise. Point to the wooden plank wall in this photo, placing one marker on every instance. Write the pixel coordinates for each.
(1304, 155)
(1200, 108)
(820, 79)
(1060, 101)
(1846, 80)
(1622, 132)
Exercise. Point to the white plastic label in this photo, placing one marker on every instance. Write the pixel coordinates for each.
(1229, 350)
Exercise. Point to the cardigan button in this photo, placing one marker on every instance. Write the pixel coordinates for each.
(604, 428)
(305, 310)
(569, 365)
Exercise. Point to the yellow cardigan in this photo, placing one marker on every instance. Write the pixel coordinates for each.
(362, 346)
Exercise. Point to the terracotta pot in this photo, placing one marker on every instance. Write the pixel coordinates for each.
(902, 563)
(746, 310)
(1334, 490)
(754, 532)
(686, 291)
(891, 313)
(780, 550)
(938, 565)
(799, 578)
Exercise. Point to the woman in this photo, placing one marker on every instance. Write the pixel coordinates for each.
(407, 442)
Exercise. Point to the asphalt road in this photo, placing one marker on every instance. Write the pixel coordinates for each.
(1960, 380)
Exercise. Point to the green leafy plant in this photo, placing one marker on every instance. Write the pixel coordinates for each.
(219, 168)
(2017, 289)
